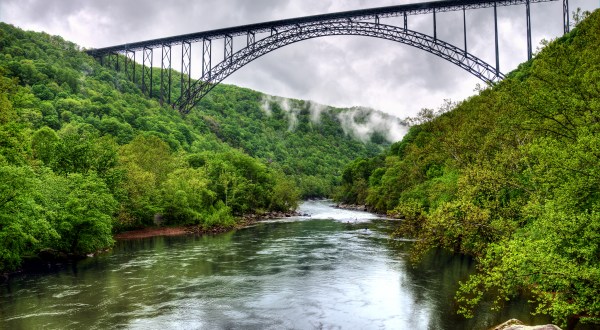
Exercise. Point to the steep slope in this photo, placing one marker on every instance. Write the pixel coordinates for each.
(510, 176)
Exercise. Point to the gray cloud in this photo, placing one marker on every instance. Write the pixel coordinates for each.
(340, 71)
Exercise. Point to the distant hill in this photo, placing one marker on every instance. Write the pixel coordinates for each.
(308, 141)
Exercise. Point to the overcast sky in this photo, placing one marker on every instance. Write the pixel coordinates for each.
(339, 71)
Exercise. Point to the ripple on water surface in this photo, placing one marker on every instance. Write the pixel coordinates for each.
(332, 269)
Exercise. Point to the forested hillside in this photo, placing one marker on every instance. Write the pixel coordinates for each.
(510, 176)
(84, 154)
(307, 141)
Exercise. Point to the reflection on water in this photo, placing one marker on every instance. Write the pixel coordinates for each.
(335, 269)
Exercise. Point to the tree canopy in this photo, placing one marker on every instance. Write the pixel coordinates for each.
(510, 176)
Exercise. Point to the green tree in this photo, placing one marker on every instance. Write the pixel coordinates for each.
(24, 229)
(83, 211)
(43, 145)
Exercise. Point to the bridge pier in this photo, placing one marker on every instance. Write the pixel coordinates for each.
(206, 58)
(186, 66)
(566, 16)
(465, 28)
(165, 74)
(529, 46)
(228, 45)
(434, 26)
(147, 58)
(130, 65)
(250, 39)
(496, 40)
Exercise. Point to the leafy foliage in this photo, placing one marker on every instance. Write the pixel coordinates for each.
(509, 176)
(83, 153)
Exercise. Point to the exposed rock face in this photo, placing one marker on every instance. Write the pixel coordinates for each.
(514, 324)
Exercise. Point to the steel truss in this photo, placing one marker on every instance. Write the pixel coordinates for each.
(449, 52)
(566, 16)
(111, 60)
(228, 47)
(165, 75)
(130, 65)
(206, 57)
(273, 27)
(186, 66)
(147, 58)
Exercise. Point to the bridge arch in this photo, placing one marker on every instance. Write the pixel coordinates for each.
(300, 32)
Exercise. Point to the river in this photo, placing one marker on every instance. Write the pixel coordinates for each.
(336, 269)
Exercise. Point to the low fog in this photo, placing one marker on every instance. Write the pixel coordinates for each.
(358, 122)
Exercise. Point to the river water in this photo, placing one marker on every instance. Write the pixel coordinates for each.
(336, 269)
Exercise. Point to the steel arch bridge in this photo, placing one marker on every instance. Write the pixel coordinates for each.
(277, 34)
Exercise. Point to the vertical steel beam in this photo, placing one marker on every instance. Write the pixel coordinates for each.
(566, 22)
(529, 46)
(228, 48)
(110, 60)
(496, 39)
(115, 57)
(376, 19)
(130, 65)
(434, 26)
(147, 58)
(165, 74)
(465, 28)
(250, 39)
(206, 59)
(186, 67)
(405, 21)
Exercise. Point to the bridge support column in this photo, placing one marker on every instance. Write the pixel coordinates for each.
(274, 32)
(165, 75)
(130, 65)
(405, 21)
(206, 58)
(434, 26)
(496, 40)
(529, 46)
(147, 58)
(565, 16)
(186, 67)
(109, 60)
(465, 28)
(115, 60)
(228, 48)
(250, 39)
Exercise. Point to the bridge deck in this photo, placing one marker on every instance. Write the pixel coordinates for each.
(358, 15)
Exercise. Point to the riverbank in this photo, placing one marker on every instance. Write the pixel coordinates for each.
(244, 222)
(49, 259)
